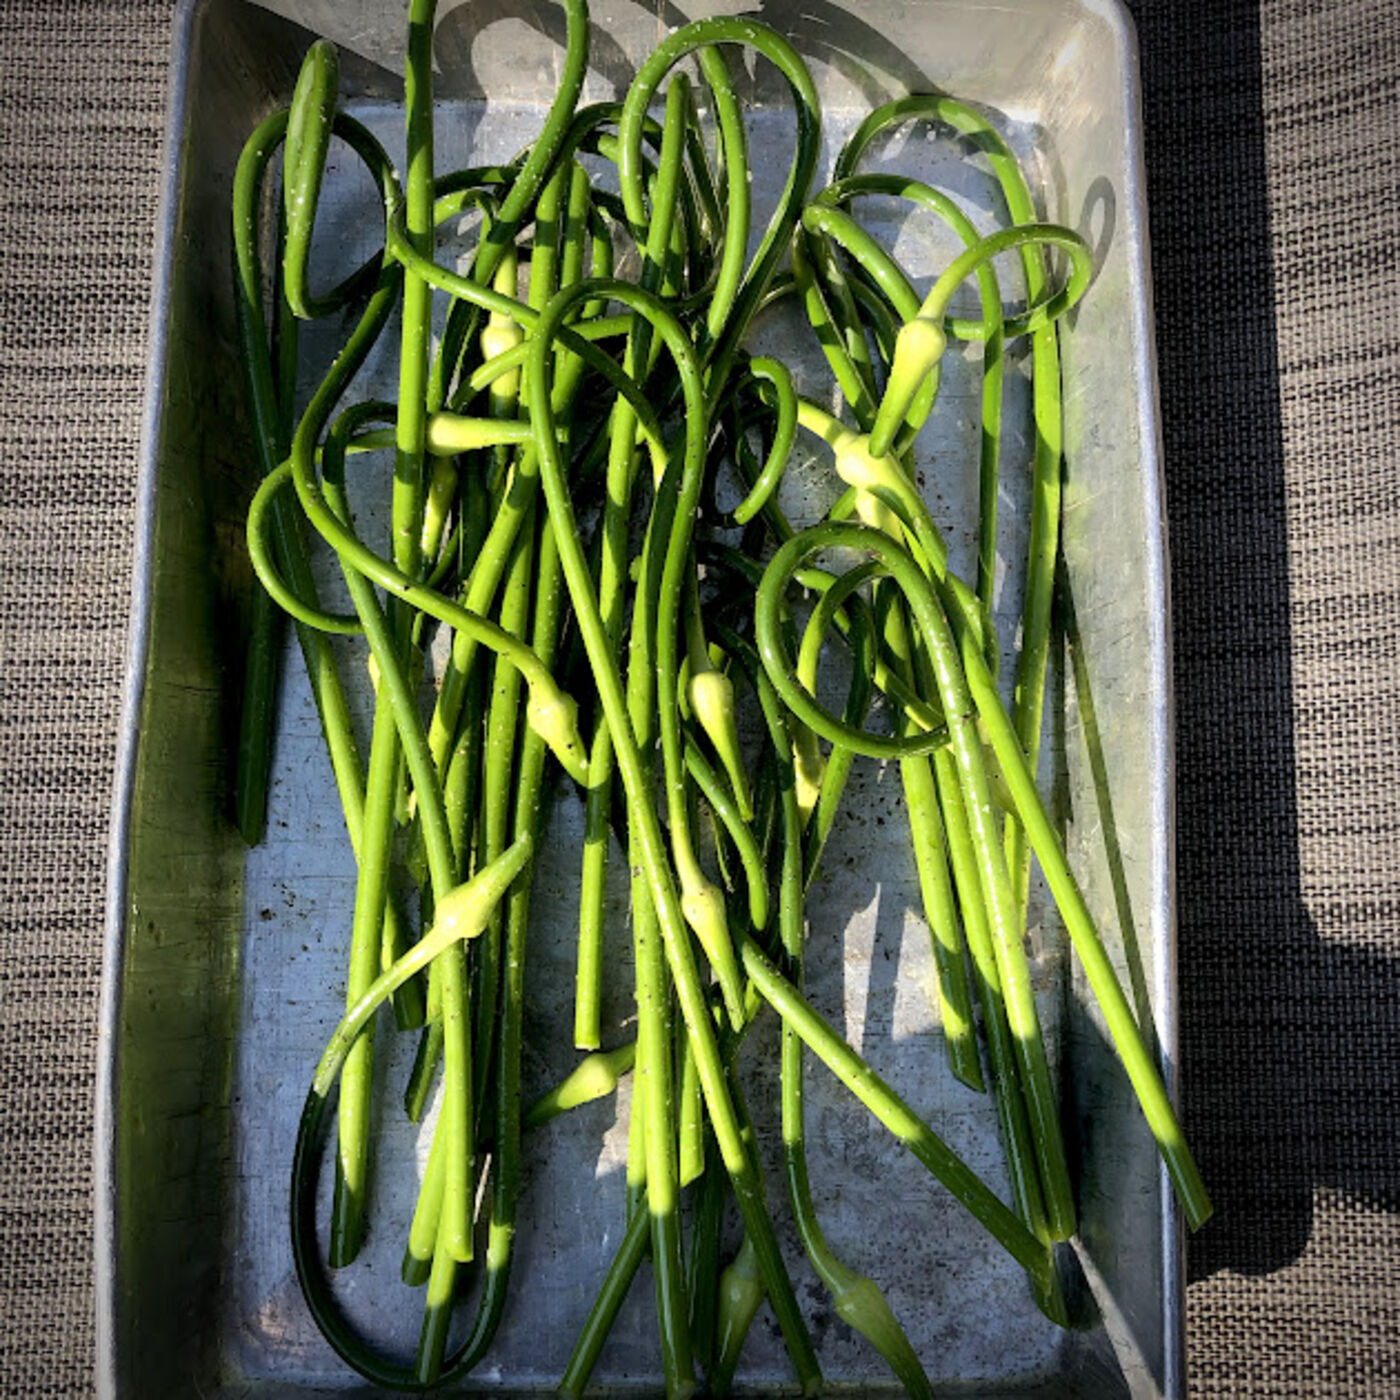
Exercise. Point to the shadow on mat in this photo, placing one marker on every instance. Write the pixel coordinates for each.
(1284, 1088)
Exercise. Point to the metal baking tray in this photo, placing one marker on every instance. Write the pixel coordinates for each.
(223, 969)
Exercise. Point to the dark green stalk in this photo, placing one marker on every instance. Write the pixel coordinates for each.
(703, 1280)
(606, 1306)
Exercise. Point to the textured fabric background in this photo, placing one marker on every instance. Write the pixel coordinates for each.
(1272, 174)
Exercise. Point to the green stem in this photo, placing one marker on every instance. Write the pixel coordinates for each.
(460, 916)
(935, 883)
(528, 818)
(1001, 1053)
(612, 578)
(606, 1306)
(898, 1117)
(397, 706)
(966, 745)
(269, 410)
(650, 842)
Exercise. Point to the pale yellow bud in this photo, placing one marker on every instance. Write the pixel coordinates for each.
(702, 904)
(499, 336)
(857, 466)
(553, 715)
(918, 347)
(873, 512)
(711, 698)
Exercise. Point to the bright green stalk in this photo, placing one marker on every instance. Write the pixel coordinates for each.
(965, 742)
(1045, 469)
(612, 578)
(1006, 1077)
(651, 846)
(935, 886)
(900, 1119)
(527, 818)
(991, 331)
(397, 706)
(775, 239)
(461, 915)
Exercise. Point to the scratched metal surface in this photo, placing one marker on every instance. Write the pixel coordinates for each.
(262, 972)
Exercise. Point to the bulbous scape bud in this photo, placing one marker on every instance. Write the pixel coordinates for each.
(711, 697)
(310, 121)
(454, 432)
(876, 514)
(702, 904)
(919, 346)
(499, 335)
(861, 1305)
(463, 912)
(740, 1292)
(858, 466)
(553, 715)
(594, 1077)
(808, 769)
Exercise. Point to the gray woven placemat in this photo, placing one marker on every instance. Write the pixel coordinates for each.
(82, 97)
(1272, 183)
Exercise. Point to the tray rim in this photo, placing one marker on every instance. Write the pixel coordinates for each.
(114, 939)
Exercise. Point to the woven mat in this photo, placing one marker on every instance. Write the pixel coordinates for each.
(1272, 173)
